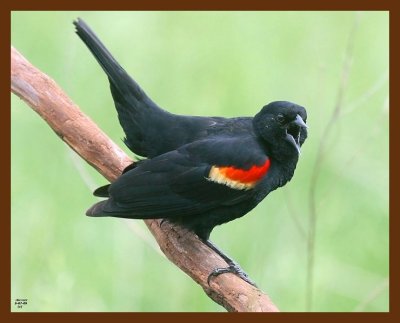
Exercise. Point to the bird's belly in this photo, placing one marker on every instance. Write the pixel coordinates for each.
(203, 224)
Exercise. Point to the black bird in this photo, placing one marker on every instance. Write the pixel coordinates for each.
(201, 171)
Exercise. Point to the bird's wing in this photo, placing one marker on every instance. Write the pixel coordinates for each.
(189, 181)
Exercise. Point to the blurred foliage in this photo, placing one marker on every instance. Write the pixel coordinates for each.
(208, 63)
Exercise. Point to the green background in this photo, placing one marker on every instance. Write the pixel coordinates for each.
(210, 63)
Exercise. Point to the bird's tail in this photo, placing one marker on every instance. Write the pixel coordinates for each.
(118, 77)
(136, 110)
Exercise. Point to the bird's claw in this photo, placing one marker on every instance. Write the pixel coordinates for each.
(234, 269)
(161, 222)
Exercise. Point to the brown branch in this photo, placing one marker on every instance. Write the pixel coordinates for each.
(183, 248)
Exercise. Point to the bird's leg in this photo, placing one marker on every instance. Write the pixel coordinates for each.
(233, 267)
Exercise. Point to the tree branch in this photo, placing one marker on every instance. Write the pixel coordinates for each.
(183, 248)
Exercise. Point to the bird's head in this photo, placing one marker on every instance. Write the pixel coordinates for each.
(282, 125)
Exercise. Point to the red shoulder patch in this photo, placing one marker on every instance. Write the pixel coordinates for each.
(246, 176)
(237, 178)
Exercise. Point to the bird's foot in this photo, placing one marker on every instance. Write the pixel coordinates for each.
(161, 222)
(233, 268)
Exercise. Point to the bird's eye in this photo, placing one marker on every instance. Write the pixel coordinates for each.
(280, 118)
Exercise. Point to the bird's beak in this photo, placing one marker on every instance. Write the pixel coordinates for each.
(300, 122)
(293, 130)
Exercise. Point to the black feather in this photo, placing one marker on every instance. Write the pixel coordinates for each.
(102, 191)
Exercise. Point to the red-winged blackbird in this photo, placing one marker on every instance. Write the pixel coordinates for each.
(200, 171)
